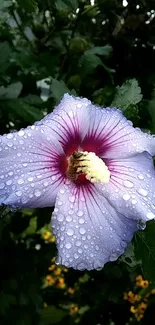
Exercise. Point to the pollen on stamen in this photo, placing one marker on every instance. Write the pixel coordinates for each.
(89, 164)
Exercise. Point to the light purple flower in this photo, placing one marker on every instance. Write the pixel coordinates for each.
(97, 170)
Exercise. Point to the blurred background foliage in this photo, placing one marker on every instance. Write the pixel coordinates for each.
(103, 50)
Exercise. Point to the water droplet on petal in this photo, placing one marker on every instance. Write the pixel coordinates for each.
(59, 202)
(62, 191)
(80, 213)
(126, 197)
(150, 215)
(18, 193)
(81, 266)
(82, 231)
(2, 185)
(68, 218)
(78, 243)
(81, 221)
(60, 217)
(70, 232)
(37, 193)
(45, 183)
(21, 133)
(142, 192)
(128, 184)
(76, 255)
(68, 245)
(72, 198)
(140, 176)
(30, 179)
(9, 182)
(134, 202)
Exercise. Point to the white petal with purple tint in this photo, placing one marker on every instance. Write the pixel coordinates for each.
(131, 189)
(88, 229)
(29, 176)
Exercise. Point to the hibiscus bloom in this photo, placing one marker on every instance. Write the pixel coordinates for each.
(97, 170)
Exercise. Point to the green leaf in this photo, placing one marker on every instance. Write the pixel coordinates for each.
(5, 4)
(88, 63)
(59, 88)
(29, 5)
(51, 315)
(12, 91)
(144, 244)
(5, 54)
(23, 108)
(100, 50)
(128, 94)
(66, 4)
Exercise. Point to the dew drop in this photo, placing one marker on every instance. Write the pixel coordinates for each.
(70, 232)
(72, 198)
(140, 176)
(128, 184)
(142, 192)
(80, 213)
(30, 179)
(21, 133)
(80, 251)
(126, 197)
(37, 193)
(59, 203)
(76, 255)
(78, 243)
(45, 183)
(62, 191)
(134, 202)
(60, 217)
(68, 245)
(150, 215)
(19, 193)
(20, 181)
(2, 185)
(68, 218)
(82, 231)
(81, 221)
(9, 182)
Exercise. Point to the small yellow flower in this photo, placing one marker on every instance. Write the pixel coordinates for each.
(142, 306)
(45, 305)
(65, 270)
(144, 284)
(153, 291)
(60, 283)
(49, 280)
(52, 267)
(70, 291)
(47, 235)
(133, 309)
(137, 297)
(139, 316)
(73, 309)
(57, 271)
(131, 297)
(52, 239)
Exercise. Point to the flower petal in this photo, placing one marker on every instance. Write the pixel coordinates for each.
(131, 189)
(69, 121)
(89, 231)
(29, 175)
(115, 136)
